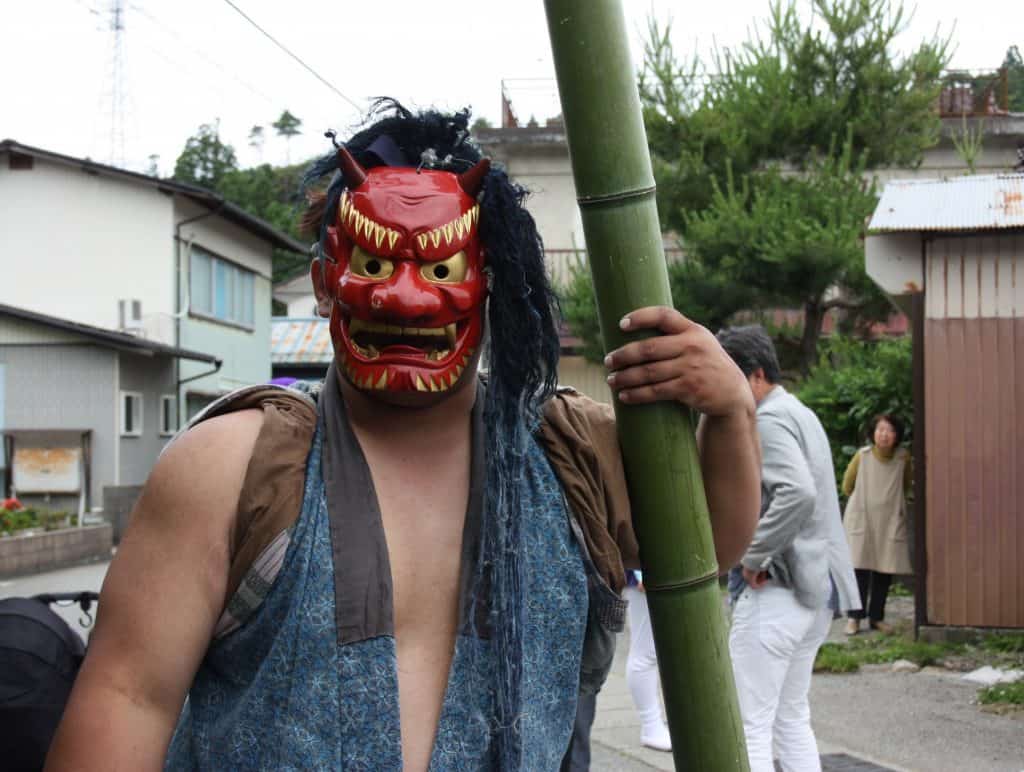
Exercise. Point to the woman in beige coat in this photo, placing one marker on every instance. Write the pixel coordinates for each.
(877, 481)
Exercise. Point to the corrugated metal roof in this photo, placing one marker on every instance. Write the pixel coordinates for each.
(295, 341)
(984, 202)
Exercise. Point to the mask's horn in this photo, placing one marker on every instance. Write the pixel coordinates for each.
(473, 179)
(351, 171)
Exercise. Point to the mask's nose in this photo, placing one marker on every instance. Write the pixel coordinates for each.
(405, 295)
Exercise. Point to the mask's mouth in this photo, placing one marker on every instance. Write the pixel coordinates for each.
(372, 340)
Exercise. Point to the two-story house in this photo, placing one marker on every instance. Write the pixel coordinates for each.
(93, 258)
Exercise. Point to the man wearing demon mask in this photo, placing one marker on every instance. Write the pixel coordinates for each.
(417, 564)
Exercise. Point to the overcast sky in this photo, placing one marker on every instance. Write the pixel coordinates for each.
(186, 62)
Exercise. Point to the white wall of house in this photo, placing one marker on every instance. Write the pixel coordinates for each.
(297, 295)
(73, 243)
(244, 349)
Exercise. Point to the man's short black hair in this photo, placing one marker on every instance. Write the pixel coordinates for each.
(751, 348)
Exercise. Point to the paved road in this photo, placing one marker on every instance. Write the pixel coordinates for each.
(917, 722)
(77, 579)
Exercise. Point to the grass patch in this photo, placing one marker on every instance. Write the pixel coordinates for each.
(834, 658)
(889, 648)
(1002, 694)
(900, 590)
(1003, 643)
(880, 649)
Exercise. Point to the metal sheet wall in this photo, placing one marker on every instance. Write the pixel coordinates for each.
(974, 353)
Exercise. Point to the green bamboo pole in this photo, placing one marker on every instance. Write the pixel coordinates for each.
(615, 189)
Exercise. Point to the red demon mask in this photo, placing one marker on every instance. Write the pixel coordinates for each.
(404, 269)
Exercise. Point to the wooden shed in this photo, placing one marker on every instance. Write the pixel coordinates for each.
(951, 253)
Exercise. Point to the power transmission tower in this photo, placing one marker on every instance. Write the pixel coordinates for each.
(117, 82)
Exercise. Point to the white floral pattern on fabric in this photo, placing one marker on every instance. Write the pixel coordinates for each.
(280, 693)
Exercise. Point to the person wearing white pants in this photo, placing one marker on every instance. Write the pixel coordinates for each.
(781, 590)
(773, 643)
(642, 669)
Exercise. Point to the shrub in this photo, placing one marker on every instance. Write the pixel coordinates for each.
(854, 381)
(25, 518)
(1011, 694)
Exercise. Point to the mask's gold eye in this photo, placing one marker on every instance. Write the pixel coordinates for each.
(446, 271)
(370, 266)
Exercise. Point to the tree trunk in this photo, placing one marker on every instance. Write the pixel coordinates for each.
(615, 185)
(814, 316)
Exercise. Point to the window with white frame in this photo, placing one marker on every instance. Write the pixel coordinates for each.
(131, 414)
(220, 290)
(168, 415)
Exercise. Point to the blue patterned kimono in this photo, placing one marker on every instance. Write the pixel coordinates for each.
(292, 688)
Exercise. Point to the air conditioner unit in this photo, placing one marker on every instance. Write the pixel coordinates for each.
(129, 316)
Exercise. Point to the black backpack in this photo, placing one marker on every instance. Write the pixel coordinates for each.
(39, 658)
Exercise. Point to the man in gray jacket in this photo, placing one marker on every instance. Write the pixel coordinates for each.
(781, 590)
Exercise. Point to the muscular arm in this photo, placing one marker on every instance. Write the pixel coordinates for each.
(686, 364)
(160, 601)
(730, 457)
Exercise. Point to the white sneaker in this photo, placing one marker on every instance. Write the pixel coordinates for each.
(656, 737)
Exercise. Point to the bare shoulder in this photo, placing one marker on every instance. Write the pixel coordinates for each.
(207, 462)
(162, 596)
(188, 506)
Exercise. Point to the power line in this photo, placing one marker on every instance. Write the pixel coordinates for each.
(273, 40)
(173, 33)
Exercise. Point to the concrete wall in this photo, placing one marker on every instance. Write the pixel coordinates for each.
(552, 202)
(998, 156)
(118, 502)
(65, 387)
(153, 377)
(20, 555)
(74, 243)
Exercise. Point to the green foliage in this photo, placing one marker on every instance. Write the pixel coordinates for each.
(206, 159)
(1004, 643)
(878, 650)
(854, 381)
(969, 142)
(1014, 64)
(579, 309)
(12, 521)
(287, 125)
(707, 296)
(1002, 694)
(900, 590)
(272, 194)
(789, 237)
(835, 658)
(268, 192)
(790, 93)
(760, 158)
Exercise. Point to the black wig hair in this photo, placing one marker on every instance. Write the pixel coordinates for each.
(522, 357)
